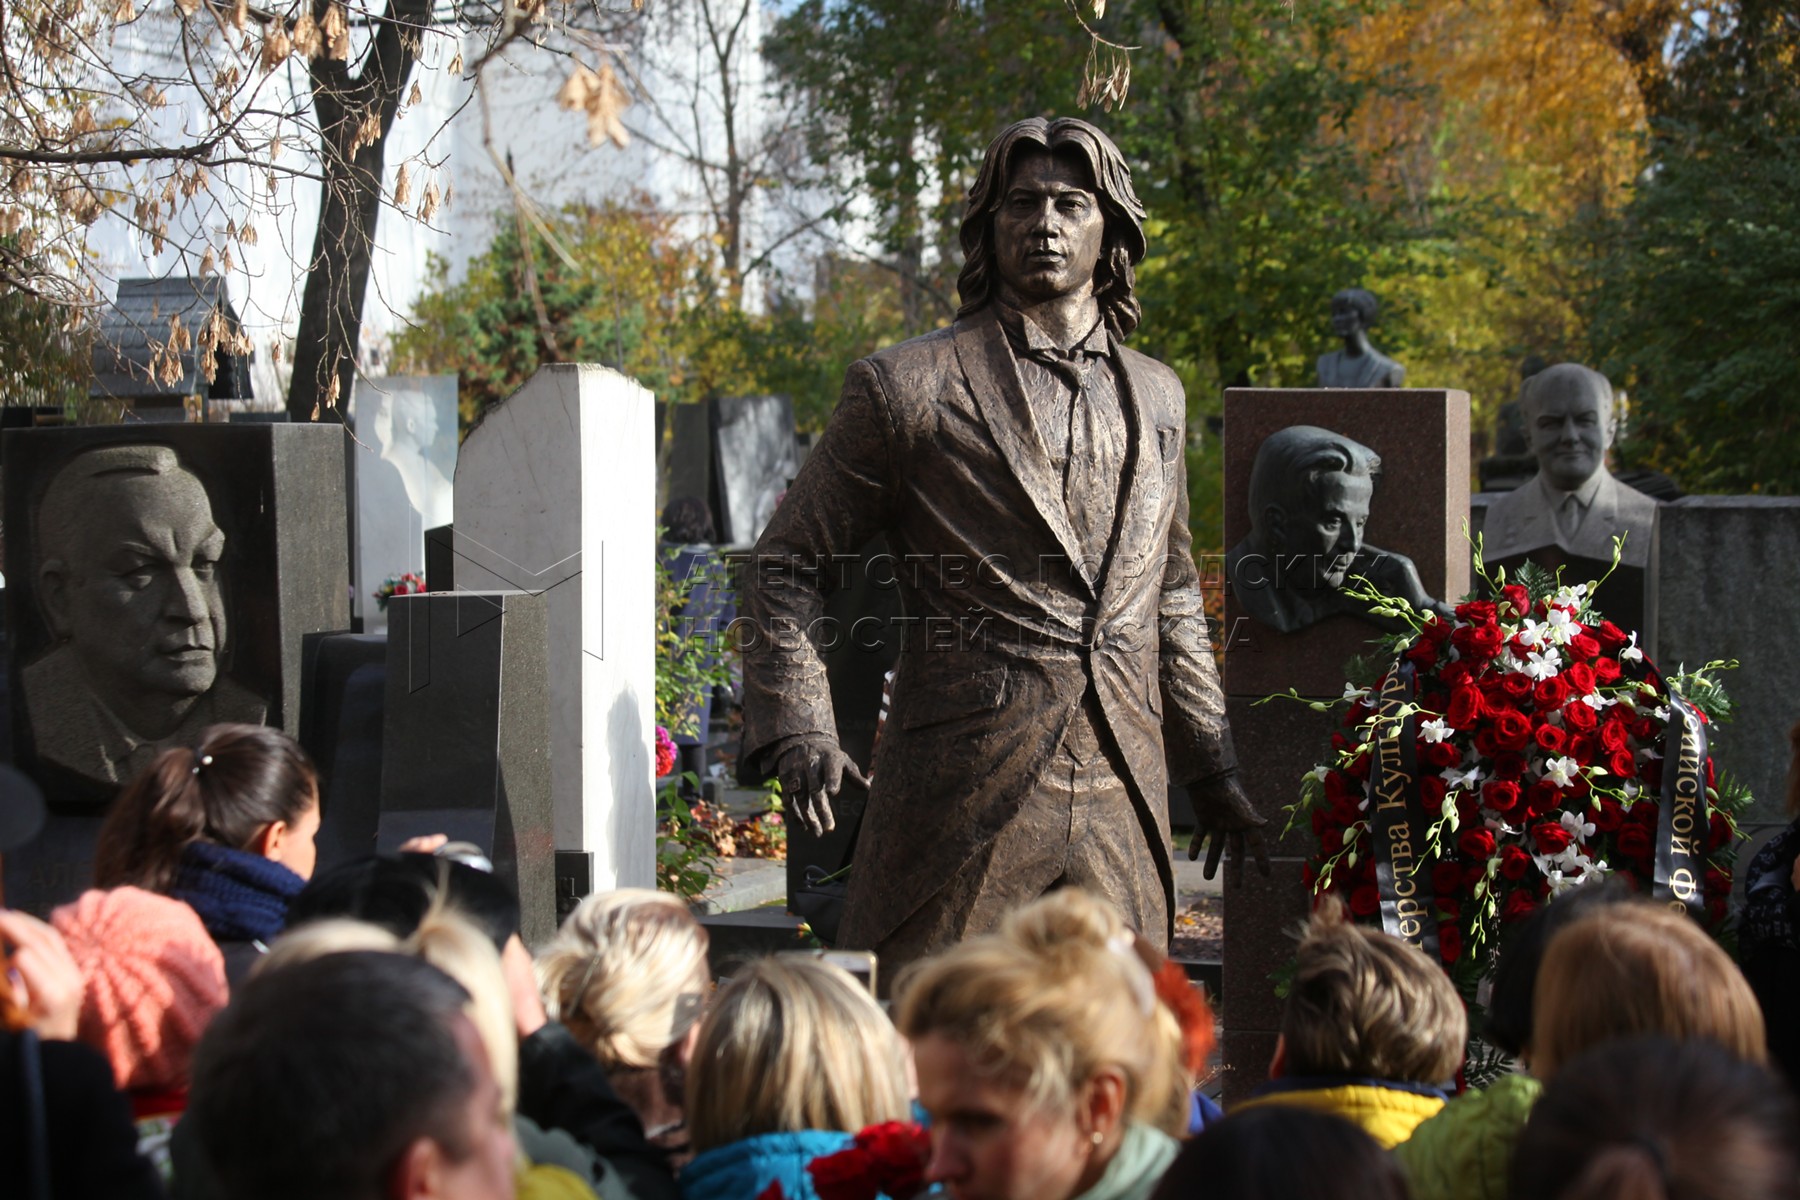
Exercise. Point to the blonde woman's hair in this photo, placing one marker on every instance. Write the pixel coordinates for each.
(446, 940)
(1048, 1003)
(1073, 915)
(1363, 1003)
(1639, 968)
(793, 1044)
(627, 974)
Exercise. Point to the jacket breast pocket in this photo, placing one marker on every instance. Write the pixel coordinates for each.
(933, 701)
(1171, 445)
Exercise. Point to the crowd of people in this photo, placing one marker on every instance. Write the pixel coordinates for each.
(216, 1020)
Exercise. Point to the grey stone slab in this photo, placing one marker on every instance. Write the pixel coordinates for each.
(756, 455)
(1724, 582)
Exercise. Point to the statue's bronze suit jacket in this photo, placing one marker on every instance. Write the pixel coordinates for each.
(933, 443)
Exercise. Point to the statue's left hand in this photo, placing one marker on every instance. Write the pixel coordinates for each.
(1224, 813)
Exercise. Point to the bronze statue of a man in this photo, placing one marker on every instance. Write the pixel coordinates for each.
(1057, 675)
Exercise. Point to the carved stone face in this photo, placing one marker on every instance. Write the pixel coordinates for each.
(137, 593)
(1050, 228)
(1571, 425)
(1329, 530)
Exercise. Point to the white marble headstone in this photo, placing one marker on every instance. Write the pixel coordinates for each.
(405, 460)
(556, 494)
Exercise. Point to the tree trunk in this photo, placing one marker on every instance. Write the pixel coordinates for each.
(337, 278)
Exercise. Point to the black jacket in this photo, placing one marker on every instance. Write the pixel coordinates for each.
(89, 1146)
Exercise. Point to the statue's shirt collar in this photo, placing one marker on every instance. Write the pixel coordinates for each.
(1028, 337)
(1583, 495)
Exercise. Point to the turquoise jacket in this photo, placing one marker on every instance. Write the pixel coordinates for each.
(742, 1170)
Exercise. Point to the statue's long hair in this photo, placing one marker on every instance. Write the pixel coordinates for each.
(1115, 279)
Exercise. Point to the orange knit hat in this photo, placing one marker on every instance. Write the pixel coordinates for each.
(153, 978)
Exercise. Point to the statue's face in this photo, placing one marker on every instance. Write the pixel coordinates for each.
(1571, 427)
(1346, 318)
(1329, 532)
(139, 594)
(1050, 229)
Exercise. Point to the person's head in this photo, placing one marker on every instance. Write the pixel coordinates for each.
(1353, 311)
(1365, 1004)
(1310, 491)
(686, 519)
(1639, 968)
(792, 1044)
(447, 941)
(410, 1105)
(1032, 1059)
(244, 787)
(152, 978)
(1068, 915)
(396, 891)
(627, 974)
(1570, 419)
(1280, 1151)
(1509, 1007)
(1648, 1118)
(128, 573)
(1052, 211)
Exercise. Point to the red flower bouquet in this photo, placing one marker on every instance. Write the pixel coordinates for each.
(884, 1160)
(1525, 747)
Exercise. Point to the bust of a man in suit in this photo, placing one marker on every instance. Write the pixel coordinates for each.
(1574, 503)
(1358, 364)
(1310, 490)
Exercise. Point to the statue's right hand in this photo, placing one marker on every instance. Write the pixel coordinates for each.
(812, 771)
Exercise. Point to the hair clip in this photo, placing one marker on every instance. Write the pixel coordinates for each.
(205, 760)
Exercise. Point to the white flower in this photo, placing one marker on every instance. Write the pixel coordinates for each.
(1561, 771)
(1510, 663)
(1631, 653)
(1542, 664)
(1661, 712)
(1596, 701)
(1434, 730)
(1559, 626)
(1460, 779)
(1631, 789)
(1353, 693)
(1578, 829)
(1532, 633)
(1318, 774)
(1569, 596)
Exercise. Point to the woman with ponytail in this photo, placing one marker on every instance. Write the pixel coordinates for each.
(226, 825)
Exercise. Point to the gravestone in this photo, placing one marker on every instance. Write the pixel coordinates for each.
(1724, 572)
(404, 459)
(755, 456)
(1416, 510)
(556, 495)
(228, 541)
(466, 736)
(341, 710)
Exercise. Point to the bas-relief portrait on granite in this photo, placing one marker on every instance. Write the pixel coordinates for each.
(1310, 490)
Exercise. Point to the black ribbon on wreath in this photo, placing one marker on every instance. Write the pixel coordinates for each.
(1397, 818)
(1683, 826)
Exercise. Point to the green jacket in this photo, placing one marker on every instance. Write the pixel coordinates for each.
(1462, 1153)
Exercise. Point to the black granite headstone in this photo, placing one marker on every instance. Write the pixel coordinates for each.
(160, 580)
(466, 740)
(341, 715)
(755, 455)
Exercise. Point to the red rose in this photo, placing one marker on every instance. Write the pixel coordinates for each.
(1514, 862)
(1501, 795)
(1432, 790)
(1716, 908)
(1477, 843)
(1550, 693)
(1518, 906)
(1454, 674)
(1478, 643)
(1436, 628)
(1358, 767)
(1643, 729)
(1449, 908)
(1464, 708)
(843, 1176)
(1580, 717)
(1542, 797)
(1331, 840)
(1716, 882)
(1634, 842)
(1518, 600)
(1446, 879)
(1423, 654)
(1449, 942)
(1614, 736)
(1712, 776)
(1611, 636)
(1608, 816)
(1579, 677)
(1509, 764)
(1474, 875)
(1439, 754)
(1512, 730)
(1620, 763)
(1645, 813)
(1478, 612)
(1584, 647)
(1582, 747)
(1606, 671)
(1487, 744)
(1551, 838)
(1365, 901)
(1552, 739)
(1517, 685)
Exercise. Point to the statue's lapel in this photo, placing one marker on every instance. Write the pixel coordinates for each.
(987, 364)
(1142, 493)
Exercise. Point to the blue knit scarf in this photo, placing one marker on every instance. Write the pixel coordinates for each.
(240, 896)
